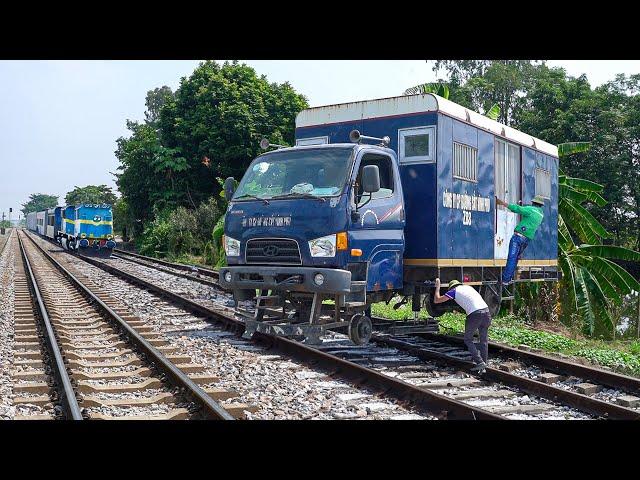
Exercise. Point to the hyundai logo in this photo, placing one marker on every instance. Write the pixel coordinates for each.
(270, 251)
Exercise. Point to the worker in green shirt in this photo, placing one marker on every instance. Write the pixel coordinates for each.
(531, 218)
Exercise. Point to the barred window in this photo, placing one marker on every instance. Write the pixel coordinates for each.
(465, 162)
(543, 183)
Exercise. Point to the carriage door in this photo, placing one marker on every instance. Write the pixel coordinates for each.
(508, 165)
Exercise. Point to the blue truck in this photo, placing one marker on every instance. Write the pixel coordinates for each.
(377, 199)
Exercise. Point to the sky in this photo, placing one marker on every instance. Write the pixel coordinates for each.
(59, 120)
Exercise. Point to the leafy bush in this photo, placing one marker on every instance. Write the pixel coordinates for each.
(183, 232)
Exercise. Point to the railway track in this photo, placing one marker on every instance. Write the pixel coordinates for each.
(107, 365)
(402, 362)
(537, 387)
(599, 391)
(190, 272)
(42, 387)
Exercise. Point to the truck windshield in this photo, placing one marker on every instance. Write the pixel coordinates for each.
(319, 172)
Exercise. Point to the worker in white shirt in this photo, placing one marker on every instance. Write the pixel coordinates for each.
(478, 318)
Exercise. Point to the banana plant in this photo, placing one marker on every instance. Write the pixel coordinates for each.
(442, 90)
(592, 281)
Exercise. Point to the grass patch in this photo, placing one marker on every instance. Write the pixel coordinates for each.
(621, 356)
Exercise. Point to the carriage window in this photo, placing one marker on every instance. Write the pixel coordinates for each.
(507, 173)
(386, 177)
(543, 183)
(465, 162)
(416, 144)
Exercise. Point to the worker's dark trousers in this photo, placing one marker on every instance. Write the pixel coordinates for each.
(478, 320)
(517, 245)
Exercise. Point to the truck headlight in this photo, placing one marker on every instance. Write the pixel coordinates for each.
(323, 246)
(231, 247)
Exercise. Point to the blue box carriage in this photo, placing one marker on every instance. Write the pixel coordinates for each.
(302, 226)
(87, 228)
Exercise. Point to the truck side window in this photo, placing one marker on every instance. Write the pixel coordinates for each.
(386, 177)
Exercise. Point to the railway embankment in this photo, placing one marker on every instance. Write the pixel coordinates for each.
(622, 356)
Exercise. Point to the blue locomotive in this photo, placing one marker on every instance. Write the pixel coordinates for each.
(85, 228)
(377, 199)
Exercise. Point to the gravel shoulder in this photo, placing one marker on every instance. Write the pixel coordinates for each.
(7, 411)
(279, 387)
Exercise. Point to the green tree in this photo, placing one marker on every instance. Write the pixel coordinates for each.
(123, 221)
(156, 99)
(38, 202)
(90, 194)
(141, 186)
(210, 127)
(5, 224)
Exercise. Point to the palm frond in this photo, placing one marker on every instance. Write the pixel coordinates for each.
(564, 237)
(494, 112)
(582, 184)
(603, 276)
(585, 225)
(566, 191)
(583, 302)
(628, 278)
(599, 301)
(569, 148)
(568, 273)
(611, 251)
(440, 89)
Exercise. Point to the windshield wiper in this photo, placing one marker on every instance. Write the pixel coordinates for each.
(248, 195)
(299, 194)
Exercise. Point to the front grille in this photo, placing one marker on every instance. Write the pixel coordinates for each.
(273, 250)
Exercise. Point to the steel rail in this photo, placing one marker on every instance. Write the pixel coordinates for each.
(573, 399)
(424, 399)
(531, 386)
(145, 263)
(178, 266)
(212, 407)
(557, 365)
(68, 396)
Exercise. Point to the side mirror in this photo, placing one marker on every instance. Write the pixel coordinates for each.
(229, 188)
(370, 179)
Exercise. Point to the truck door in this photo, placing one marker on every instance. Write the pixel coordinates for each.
(378, 229)
(508, 188)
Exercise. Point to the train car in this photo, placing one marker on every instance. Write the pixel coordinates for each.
(377, 199)
(57, 224)
(41, 222)
(49, 230)
(32, 222)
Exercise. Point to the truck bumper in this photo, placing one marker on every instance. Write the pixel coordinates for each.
(297, 279)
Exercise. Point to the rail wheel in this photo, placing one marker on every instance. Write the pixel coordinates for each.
(492, 295)
(360, 329)
(434, 309)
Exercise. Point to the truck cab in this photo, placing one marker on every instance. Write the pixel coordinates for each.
(312, 223)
